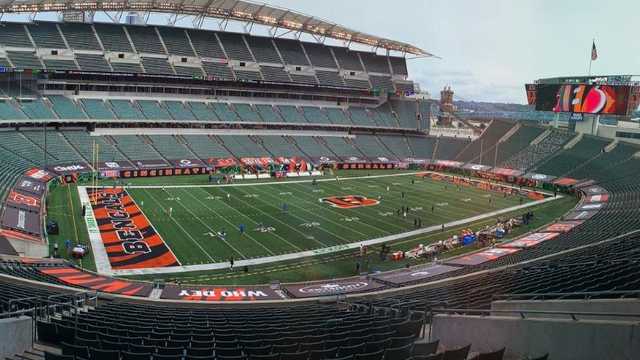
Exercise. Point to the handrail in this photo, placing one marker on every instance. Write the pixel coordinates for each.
(11, 302)
(45, 305)
(573, 314)
(587, 294)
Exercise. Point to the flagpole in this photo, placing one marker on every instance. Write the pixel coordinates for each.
(593, 41)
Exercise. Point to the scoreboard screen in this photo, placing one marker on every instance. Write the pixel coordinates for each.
(582, 98)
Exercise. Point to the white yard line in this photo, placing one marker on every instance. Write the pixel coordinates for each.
(253, 221)
(329, 250)
(181, 228)
(228, 222)
(287, 225)
(318, 215)
(103, 265)
(211, 229)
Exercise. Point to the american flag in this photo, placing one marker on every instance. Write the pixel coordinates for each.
(594, 52)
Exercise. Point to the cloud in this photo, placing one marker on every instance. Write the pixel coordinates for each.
(466, 84)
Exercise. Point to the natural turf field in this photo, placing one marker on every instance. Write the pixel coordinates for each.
(199, 214)
(343, 264)
(64, 207)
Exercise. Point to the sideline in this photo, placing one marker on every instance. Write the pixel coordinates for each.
(334, 179)
(103, 265)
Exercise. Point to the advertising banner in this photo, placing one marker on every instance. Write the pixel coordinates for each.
(414, 274)
(325, 160)
(163, 172)
(222, 162)
(597, 198)
(483, 256)
(73, 168)
(367, 166)
(591, 207)
(39, 175)
(31, 186)
(355, 159)
(595, 190)
(529, 240)
(187, 163)
(221, 293)
(23, 201)
(257, 161)
(539, 177)
(449, 163)
(506, 172)
(565, 181)
(337, 287)
(115, 165)
(476, 167)
(563, 226)
(151, 164)
(418, 161)
(581, 215)
(22, 220)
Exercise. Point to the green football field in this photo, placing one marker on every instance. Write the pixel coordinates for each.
(284, 218)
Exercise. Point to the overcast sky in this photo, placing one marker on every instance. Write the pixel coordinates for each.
(490, 48)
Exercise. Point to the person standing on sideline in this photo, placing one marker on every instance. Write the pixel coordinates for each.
(231, 263)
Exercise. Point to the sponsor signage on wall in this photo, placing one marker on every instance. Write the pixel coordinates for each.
(482, 256)
(329, 288)
(221, 293)
(31, 186)
(66, 169)
(530, 240)
(414, 274)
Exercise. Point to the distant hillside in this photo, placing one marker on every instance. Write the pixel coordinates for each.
(473, 106)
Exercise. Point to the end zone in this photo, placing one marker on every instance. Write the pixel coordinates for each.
(121, 236)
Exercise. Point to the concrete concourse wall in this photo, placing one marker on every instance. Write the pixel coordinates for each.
(561, 339)
(15, 336)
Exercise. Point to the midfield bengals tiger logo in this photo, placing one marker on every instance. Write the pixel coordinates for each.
(349, 201)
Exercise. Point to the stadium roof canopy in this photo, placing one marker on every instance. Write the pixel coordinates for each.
(238, 10)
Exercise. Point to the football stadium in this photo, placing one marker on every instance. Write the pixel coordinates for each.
(175, 192)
